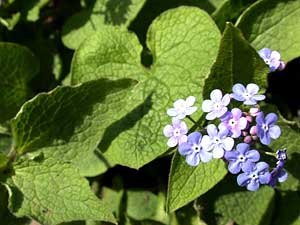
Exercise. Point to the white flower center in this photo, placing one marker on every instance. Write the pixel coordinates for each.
(246, 95)
(196, 148)
(217, 140)
(176, 132)
(242, 158)
(232, 122)
(265, 127)
(182, 107)
(254, 176)
(267, 61)
(217, 106)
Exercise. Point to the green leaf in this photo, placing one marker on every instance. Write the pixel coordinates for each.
(53, 192)
(188, 216)
(104, 12)
(112, 199)
(288, 211)
(273, 24)
(3, 161)
(184, 44)
(144, 205)
(229, 11)
(6, 143)
(237, 62)
(10, 23)
(32, 8)
(68, 122)
(17, 67)
(244, 207)
(186, 183)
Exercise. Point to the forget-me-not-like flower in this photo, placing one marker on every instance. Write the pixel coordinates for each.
(216, 106)
(259, 174)
(217, 141)
(247, 95)
(234, 122)
(176, 132)
(241, 158)
(278, 174)
(271, 58)
(266, 128)
(193, 150)
(182, 108)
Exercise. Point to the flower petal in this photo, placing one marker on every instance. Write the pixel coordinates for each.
(221, 112)
(185, 149)
(206, 143)
(234, 167)
(242, 148)
(259, 97)
(212, 130)
(228, 143)
(253, 185)
(250, 102)
(190, 101)
(252, 155)
(194, 138)
(282, 176)
(193, 159)
(226, 99)
(172, 142)
(205, 156)
(242, 123)
(238, 97)
(242, 179)
(262, 166)
(183, 127)
(238, 89)
(216, 95)
(172, 112)
(275, 132)
(265, 138)
(191, 110)
(275, 56)
(265, 178)
(248, 166)
(252, 88)
(218, 152)
(211, 116)
(207, 106)
(265, 53)
(179, 104)
(182, 139)
(168, 131)
(231, 155)
(236, 113)
(260, 118)
(271, 118)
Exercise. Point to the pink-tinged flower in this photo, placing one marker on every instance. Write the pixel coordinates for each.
(234, 122)
(216, 107)
(183, 108)
(176, 132)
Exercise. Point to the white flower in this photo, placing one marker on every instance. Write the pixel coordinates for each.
(183, 108)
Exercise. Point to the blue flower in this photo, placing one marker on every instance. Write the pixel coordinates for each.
(183, 108)
(258, 174)
(247, 95)
(234, 122)
(241, 158)
(271, 58)
(217, 142)
(193, 150)
(176, 132)
(278, 174)
(216, 107)
(266, 128)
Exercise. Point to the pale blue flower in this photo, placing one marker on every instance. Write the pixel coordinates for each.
(217, 141)
(247, 95)
(216, 107)
(271, 58)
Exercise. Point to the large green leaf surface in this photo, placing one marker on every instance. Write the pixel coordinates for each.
(273, 24)
(245, 207)
(68, 122)
(186, 183)
(184, 43)
(104, 12)
(237, 62)
(17, 67)
(52, 192)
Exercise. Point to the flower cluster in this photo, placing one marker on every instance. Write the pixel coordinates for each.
(230, 135)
